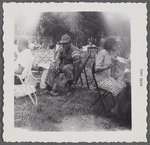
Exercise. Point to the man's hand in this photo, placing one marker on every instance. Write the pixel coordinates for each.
(57, 70)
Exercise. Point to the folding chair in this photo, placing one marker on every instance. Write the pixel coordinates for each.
(26, 88)
(82, 70)
(101, 95)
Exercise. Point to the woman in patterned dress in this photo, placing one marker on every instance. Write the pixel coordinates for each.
(103, 66)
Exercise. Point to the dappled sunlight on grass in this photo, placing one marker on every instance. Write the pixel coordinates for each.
(71, 111)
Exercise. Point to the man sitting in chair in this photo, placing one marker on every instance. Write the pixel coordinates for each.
(68, 63)
(24, 61)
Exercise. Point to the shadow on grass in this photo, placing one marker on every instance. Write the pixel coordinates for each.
(54, 113)
(69, 111)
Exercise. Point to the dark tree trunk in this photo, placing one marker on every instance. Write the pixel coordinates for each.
(98, 39)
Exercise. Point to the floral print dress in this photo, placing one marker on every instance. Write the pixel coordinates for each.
(104, 78)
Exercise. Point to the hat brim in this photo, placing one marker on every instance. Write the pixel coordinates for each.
(62, 41)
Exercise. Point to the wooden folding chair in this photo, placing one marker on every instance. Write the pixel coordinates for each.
(27, 88)
(82, 70)
(100, 90)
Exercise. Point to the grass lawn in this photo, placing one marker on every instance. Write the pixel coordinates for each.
(69, 111)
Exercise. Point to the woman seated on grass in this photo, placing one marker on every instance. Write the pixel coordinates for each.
(103, 67)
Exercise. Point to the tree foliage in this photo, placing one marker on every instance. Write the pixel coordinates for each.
(82, 26)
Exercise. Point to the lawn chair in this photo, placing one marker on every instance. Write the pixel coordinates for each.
(37, 73)
(82, 70)
(99, 90)
(26, 88)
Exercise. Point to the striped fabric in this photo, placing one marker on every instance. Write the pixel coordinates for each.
(75, 54)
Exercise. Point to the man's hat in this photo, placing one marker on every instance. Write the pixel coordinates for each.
(65, 38)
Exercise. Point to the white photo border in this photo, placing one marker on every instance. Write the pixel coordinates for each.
(138, 14)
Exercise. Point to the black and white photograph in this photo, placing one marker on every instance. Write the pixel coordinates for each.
(72, 70)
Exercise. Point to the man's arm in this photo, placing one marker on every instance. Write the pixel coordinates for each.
(59, 61)
(76, 70)
(103, 68)
(15, 55)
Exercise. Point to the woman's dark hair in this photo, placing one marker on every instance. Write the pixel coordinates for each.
(109, 43)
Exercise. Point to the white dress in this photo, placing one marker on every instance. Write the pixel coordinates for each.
(104, 80)
(25, 59)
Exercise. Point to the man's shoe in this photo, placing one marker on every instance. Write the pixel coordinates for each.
(69, 83)
(43, 91)
(49, 88)
(53, 93)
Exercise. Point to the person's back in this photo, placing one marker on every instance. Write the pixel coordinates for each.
(23, 65)
(24, 61)
(103, 59)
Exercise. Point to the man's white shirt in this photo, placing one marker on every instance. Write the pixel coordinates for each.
(25, 59)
